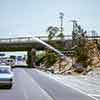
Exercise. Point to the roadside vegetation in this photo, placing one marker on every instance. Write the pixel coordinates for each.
(85, 58)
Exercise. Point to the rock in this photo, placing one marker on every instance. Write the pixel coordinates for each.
(78, 68)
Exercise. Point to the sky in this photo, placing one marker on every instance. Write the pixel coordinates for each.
(21, 17)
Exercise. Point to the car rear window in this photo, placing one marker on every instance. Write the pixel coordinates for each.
(4, 70)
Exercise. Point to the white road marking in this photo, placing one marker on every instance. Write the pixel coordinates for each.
(67, 85)
(22, 89)
(42, 91)
(25, 94)
(94, 95)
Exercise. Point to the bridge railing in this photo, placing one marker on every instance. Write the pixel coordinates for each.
(28, 39)
(19, 39)
(45, 38)
(55, 38)
(31, 39)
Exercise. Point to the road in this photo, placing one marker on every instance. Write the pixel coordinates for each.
(29, 84)
(88, 84)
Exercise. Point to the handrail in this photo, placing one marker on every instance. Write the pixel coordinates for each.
(25, 39)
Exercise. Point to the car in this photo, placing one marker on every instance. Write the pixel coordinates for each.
(6, 76)
(10, 62)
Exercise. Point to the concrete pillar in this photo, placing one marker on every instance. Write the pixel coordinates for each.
(33, 57)
(29, 59)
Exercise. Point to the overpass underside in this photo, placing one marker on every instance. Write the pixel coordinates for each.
(20, 46)
(27, 46)
(24, 46)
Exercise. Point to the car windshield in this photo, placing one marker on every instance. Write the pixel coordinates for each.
(4, 71)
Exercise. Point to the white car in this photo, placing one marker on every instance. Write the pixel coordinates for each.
(6, 76)
(10, 62)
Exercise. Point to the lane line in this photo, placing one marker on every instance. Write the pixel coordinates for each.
(94, 95)
(21, 86)
(25, 94)
(58, 80)
(42, 90)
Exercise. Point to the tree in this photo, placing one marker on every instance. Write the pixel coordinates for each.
(52, 32)
(81, 54)
(50, 56)
(81, 51)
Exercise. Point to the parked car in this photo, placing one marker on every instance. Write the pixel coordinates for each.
(6, 76)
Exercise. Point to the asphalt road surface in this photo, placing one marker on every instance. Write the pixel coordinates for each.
(29, 84)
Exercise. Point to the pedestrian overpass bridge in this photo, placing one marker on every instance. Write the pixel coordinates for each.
(24, 43)
(27, 43)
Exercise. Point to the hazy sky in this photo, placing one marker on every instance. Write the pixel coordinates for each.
(20, 17)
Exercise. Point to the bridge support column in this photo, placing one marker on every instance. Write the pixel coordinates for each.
(31, 58)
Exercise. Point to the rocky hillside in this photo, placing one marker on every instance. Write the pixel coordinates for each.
(65, 65)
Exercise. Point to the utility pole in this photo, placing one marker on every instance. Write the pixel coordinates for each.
(61, 16)
(73, 36)
(74, 32)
